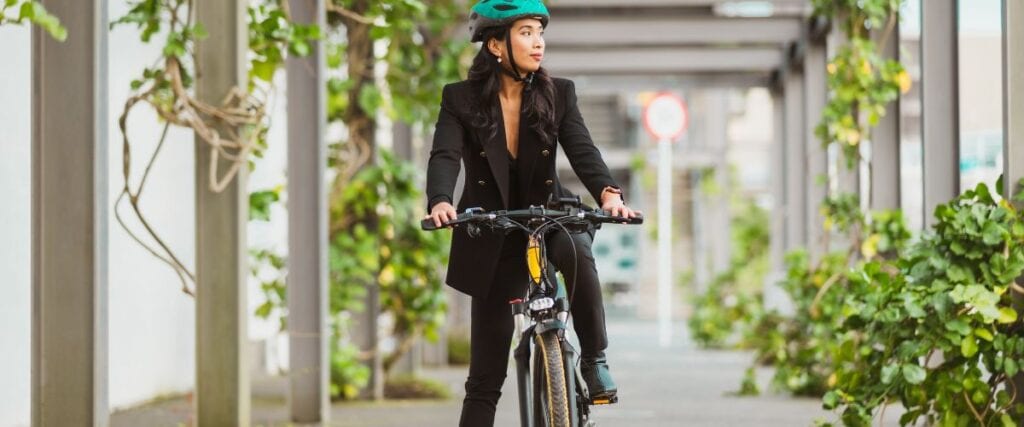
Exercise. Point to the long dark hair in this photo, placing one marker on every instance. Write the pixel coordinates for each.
(538, 102)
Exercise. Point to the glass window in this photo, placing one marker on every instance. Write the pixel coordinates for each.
(979, 23)
(911, 173)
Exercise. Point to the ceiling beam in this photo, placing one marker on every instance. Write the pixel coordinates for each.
(661, 31)
(662, 60)
(691, 7)
(610, 84)
(661, 3)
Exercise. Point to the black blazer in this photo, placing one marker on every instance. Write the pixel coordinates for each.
(473, 261)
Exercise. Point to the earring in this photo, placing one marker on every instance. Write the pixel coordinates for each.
(499, 59)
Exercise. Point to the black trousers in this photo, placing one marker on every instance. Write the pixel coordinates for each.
(492, 325)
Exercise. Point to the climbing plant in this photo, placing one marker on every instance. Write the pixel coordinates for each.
(374, 201)
(732, 300)
(392, 252)
(861, 82)
(870, 322)
(417, 45)
(387, 59)
(233, 129)
(34, 12)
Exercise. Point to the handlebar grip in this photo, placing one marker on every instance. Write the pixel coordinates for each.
(637, 220)
(605, 218)
(469, 214)
(428, 225)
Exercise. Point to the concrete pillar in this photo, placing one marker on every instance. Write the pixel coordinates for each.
(940, 119)
(796, 160)
(720, 217)
(774, 297)
(402, 140)
(816, 95)
(1013, 122)
(842, 179)
(884, 187)
(778, 180)
(222, 372)
(70, 208)
(308, 333)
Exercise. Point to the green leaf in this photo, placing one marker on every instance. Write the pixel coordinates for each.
(1007, 315)
(984, 334)
(888, 372)
(913, 306)
(369, 99)
(914, 374)
(263, 311)
(959, 326)
(956, 273)
(264, 70)
(199, 31)
(300, 48)
(1007, 420)
(9, 3)
(36, 13)
(27, 11)
(993, 233)
(1010, 367)
(259, 204)
(830, 400)
(969, 346)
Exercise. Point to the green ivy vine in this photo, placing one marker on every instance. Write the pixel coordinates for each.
(34, 12)
(861, 82)
(732, 301)
(234, 130)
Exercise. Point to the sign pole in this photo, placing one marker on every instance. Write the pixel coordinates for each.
(665, 242)
(666, 118)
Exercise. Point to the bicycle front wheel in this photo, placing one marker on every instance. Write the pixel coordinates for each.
(551, 393)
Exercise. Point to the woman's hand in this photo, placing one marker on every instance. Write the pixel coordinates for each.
(442, 213)
(614, 206)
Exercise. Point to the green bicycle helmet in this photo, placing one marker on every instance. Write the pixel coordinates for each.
(493, 13)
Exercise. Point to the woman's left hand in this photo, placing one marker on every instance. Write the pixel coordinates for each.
(615, 207)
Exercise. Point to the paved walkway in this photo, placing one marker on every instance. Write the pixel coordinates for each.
(679, 386)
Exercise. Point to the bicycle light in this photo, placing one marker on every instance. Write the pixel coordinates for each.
(542, 304)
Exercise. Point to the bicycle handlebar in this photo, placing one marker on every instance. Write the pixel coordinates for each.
(476, 215)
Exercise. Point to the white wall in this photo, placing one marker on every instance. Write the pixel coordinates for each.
(152, 326)
(152, 323)
(15, 329)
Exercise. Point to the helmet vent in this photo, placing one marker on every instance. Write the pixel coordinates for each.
(504, 7)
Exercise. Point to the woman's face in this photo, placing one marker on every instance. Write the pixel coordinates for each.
(527, 37)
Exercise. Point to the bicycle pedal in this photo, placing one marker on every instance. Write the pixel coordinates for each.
(604, 400)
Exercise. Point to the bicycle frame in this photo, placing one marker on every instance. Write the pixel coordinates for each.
(547, 312)
(545, 306)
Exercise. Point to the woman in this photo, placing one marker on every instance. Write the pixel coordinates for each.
(504, 123)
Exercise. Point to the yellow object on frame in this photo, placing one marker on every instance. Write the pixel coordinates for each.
(534, 260)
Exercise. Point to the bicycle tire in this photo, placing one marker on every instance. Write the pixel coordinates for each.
(552, 402)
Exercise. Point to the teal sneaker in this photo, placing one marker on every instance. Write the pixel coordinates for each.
(599, 380)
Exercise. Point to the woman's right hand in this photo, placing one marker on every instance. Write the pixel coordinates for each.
(442, 213)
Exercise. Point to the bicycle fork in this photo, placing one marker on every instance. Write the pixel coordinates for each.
(522, 356)
(576, 387)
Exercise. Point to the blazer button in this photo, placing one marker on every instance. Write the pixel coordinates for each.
(483, 154)
(545, 153)
(482, 182)
(549, 182)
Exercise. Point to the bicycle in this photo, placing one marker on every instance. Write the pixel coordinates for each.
(547, 398)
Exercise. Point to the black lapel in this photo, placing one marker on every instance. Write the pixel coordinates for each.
(497, 156)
